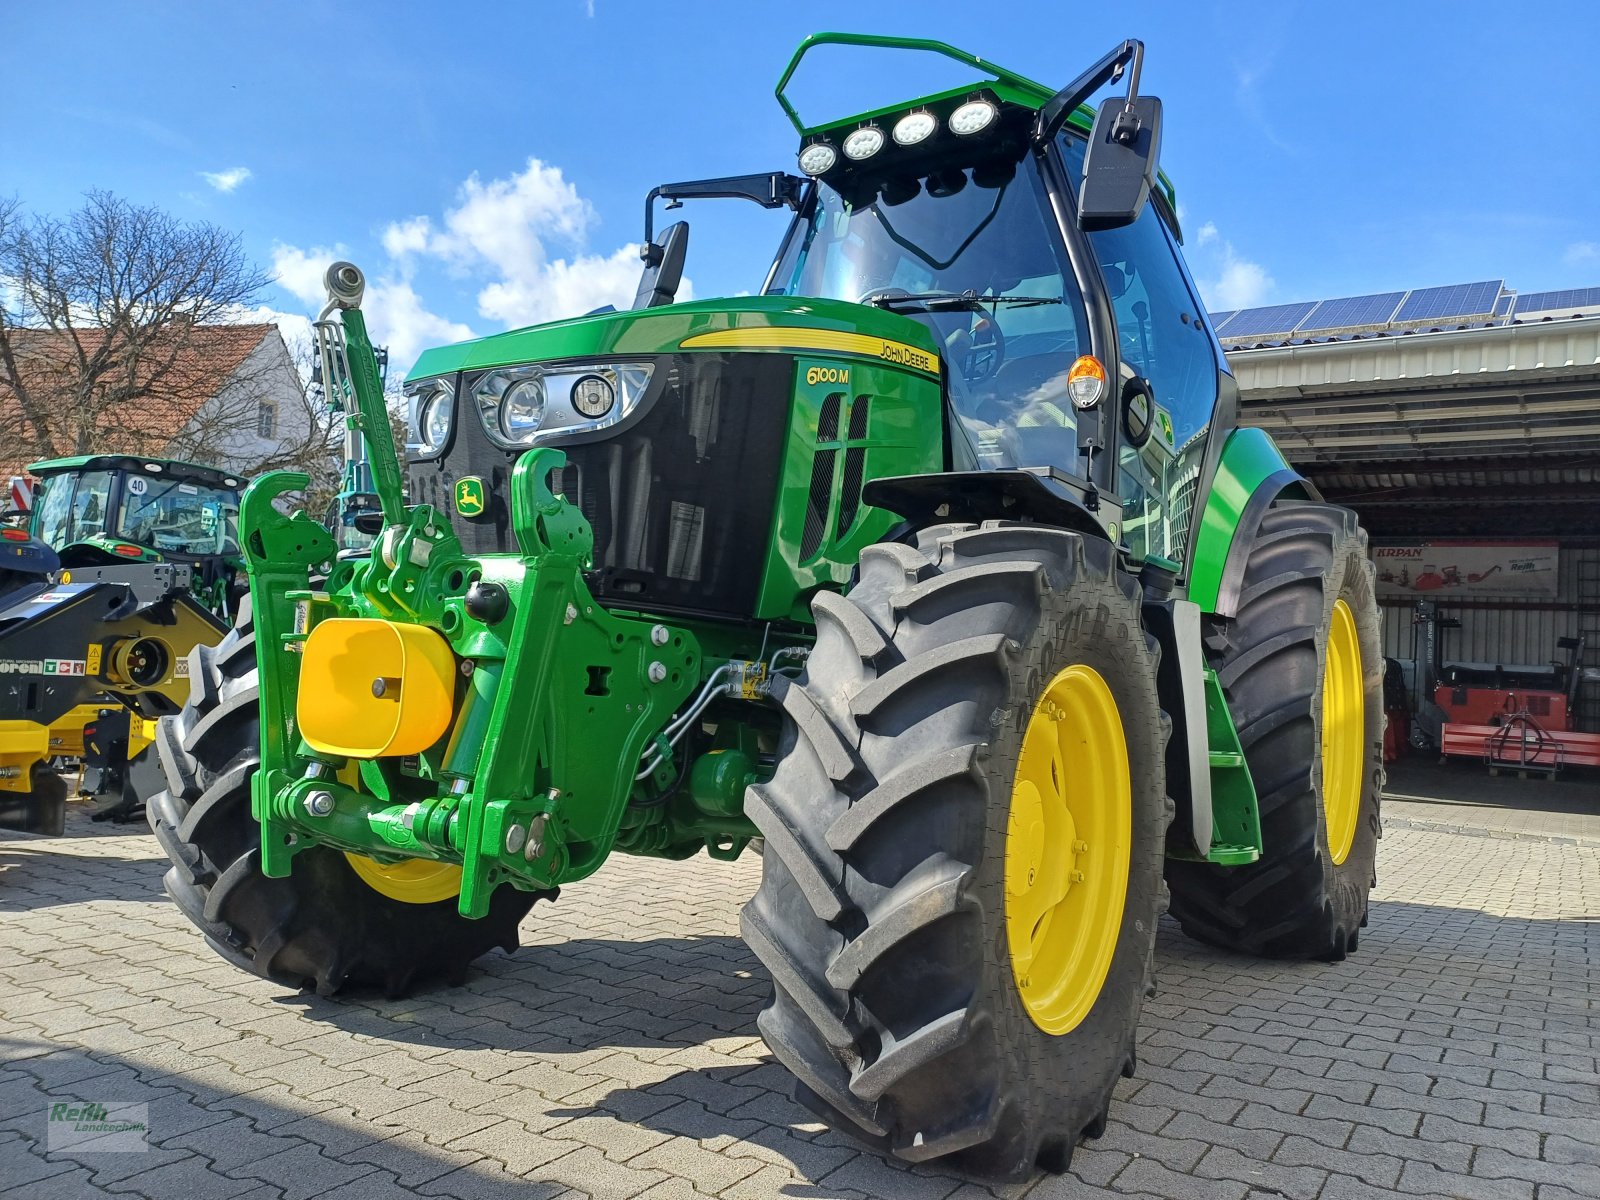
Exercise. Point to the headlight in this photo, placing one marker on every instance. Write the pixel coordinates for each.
(431, 413)
(593, 396)
(524, 406)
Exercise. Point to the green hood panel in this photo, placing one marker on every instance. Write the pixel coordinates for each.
(663, 330)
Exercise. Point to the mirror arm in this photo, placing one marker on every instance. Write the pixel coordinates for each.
(1108, 70)
(774, 190)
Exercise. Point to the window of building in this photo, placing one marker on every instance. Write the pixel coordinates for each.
(266, 419)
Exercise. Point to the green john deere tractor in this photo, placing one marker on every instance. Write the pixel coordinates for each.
(939, 572)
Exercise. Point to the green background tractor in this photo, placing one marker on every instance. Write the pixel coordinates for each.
(939, 571)
(145, 566)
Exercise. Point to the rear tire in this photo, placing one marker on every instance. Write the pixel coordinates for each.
(882, 910)
(321, 927)
(1296, 901)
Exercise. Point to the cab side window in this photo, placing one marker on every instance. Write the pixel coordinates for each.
(1161, 331)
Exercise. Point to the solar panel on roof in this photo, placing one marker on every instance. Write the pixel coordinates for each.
(1455, 300)
(1350, 311)
(1263, 322)
(1571, 300)
(1218, 320)
(1503, 305)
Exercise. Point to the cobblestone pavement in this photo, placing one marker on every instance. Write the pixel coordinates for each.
(616, 1054)
(1462, 796)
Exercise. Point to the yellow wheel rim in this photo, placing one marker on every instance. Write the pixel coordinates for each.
(1343, 732)
(410, 881)
(1068, 839)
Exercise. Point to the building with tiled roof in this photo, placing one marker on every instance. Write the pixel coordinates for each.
(229, 395)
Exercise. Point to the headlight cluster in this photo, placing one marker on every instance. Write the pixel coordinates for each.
(522, 406)
(431, 413)
(818, 157)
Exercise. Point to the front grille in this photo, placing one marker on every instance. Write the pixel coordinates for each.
(681, 500)
(855, 464)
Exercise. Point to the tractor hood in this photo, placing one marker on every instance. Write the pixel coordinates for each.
(744, 322)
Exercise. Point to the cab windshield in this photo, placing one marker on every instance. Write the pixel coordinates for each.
(974, 254)
(175, 517)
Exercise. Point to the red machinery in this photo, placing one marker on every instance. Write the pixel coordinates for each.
(1523, 723)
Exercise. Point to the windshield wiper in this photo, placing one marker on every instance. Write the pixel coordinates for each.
(968, 301)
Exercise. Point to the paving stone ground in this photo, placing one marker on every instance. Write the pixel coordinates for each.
(616, 1055)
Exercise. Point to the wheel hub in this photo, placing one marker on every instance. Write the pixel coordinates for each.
(410, 881)
(1068, 839)
(1343, 731)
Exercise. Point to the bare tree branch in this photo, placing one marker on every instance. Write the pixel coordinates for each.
(98, 320)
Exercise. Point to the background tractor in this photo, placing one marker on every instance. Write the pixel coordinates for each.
(940, 567)
(120, 566)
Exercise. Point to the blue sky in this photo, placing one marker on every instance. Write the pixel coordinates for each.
(489, 170)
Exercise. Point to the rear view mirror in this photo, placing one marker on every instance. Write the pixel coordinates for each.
(663, 267)
(1120, 167)
(1138, 412)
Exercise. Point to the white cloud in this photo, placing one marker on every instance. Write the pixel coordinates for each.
(299, 272)
(1581, 252)
(226, 181)
(406, 237)
(398, 320)
(502, 232)
(1242, 284)
(1226, 279)
(521, 244)
(396, 316)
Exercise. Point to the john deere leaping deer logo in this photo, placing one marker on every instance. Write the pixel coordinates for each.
(471, 496)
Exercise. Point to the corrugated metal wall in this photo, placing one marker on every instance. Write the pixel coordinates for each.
(1517, 633)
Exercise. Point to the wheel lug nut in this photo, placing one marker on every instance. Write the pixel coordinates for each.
(1079, 847)
(1077, 877)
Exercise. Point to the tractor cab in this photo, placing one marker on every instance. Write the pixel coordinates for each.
(1036, 242)
(104, 509)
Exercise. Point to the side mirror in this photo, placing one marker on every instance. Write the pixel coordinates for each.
(1138, 412)
(1119, 168)
(663, 267)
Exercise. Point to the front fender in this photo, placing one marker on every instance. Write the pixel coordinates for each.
(1251, 474)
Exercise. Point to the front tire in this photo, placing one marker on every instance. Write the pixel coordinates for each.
(322, 927)
(1302, 654)
(902, 842)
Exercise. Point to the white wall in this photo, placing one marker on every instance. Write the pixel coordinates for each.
(268, 371)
